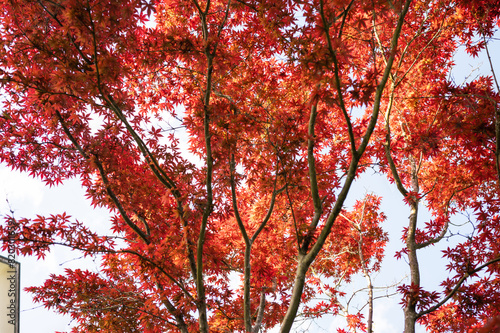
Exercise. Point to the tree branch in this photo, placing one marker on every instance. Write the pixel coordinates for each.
(338, 84)
(387, 146)
(304, 261)
(105, 181)
(260, 313)
(457, 286)
(318, 209)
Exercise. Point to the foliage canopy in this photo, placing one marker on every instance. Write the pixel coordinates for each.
(224, 137)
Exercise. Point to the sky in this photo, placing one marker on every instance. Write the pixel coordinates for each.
(26, 197)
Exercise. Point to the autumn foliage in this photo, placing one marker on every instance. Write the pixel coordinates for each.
(224, 137)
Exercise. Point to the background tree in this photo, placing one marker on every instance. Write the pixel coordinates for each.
(278, 102)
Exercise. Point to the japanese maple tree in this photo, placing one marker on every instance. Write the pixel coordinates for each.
(282, 105)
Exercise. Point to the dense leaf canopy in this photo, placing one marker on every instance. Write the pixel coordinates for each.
(224, 137)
